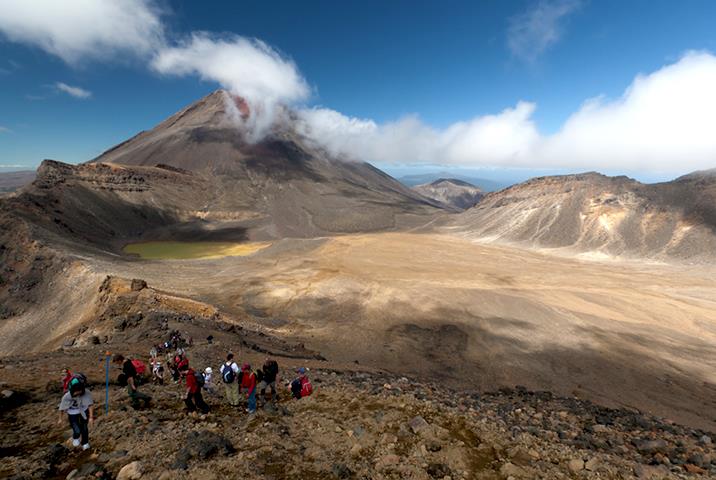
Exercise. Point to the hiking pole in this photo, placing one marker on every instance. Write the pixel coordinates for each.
(106, 384)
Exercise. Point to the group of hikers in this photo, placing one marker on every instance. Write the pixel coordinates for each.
(77, 401)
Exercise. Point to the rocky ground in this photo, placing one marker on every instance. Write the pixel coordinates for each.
(358, 424)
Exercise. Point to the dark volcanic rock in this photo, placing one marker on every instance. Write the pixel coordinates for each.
(202, 445)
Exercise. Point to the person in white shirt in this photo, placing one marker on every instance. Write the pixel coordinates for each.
(78, 405)
(209, 380)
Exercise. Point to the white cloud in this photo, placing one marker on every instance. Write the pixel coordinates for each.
(5, 129)
(246, 67)
(663, 122)
(490, 139)
(76, 92)
(78, 29)
(534, 31)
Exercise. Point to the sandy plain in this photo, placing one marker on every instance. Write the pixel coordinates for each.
(474, 316)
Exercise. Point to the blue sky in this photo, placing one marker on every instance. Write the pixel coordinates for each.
(380, 62)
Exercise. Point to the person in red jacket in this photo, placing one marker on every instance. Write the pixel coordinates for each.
(301, 386)
(193, 399)
(66, 377)
(248, 381)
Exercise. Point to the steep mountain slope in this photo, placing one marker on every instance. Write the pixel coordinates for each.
(609, 215)
(451, 191)
(195, 176)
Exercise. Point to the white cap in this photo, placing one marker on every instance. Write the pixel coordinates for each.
(208, 370)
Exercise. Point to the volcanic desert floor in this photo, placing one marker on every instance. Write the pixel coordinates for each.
(473, 315)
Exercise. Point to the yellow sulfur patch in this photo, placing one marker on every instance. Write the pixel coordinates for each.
(192, 250)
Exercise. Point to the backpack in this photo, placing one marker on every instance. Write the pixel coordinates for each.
(199, 379)
(227, 373)
(306, 387)
(139, 367)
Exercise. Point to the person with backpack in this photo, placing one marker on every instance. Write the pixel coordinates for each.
(230, 376)
(301, 386)
(194, 384)
(78, 405)
(248, 381)
(141, 370)
(130, 375)
(179, 365)
(269, 374)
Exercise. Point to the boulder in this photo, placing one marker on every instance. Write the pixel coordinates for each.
(131, 471)
(592, 464)
(520, 456)
(511, 470)
(649, 472)
(202, 445)
(694, 469)
(650, 446)
(438, 470)
(575, 465)
(418, 424)
(387, 461)
(340, 470)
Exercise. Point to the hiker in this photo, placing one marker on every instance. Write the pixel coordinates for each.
(209, 380)
(66, 377)
(179, 364)
(269, 373)
(248, 381)
(157, 372)
(230, 376)
(301, 386)
(77, 404)
(183, 364)
(130, 375)
(194, 383)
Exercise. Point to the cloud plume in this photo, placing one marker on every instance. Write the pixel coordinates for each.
(662, 122)
(246, 67)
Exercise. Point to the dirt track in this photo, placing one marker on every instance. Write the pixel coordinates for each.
(476, 316)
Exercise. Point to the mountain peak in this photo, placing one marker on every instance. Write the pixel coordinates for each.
(454, 181)
(219, 108)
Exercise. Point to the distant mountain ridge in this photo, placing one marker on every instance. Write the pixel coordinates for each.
(451, 191)
(615, 216)
(483, 184)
